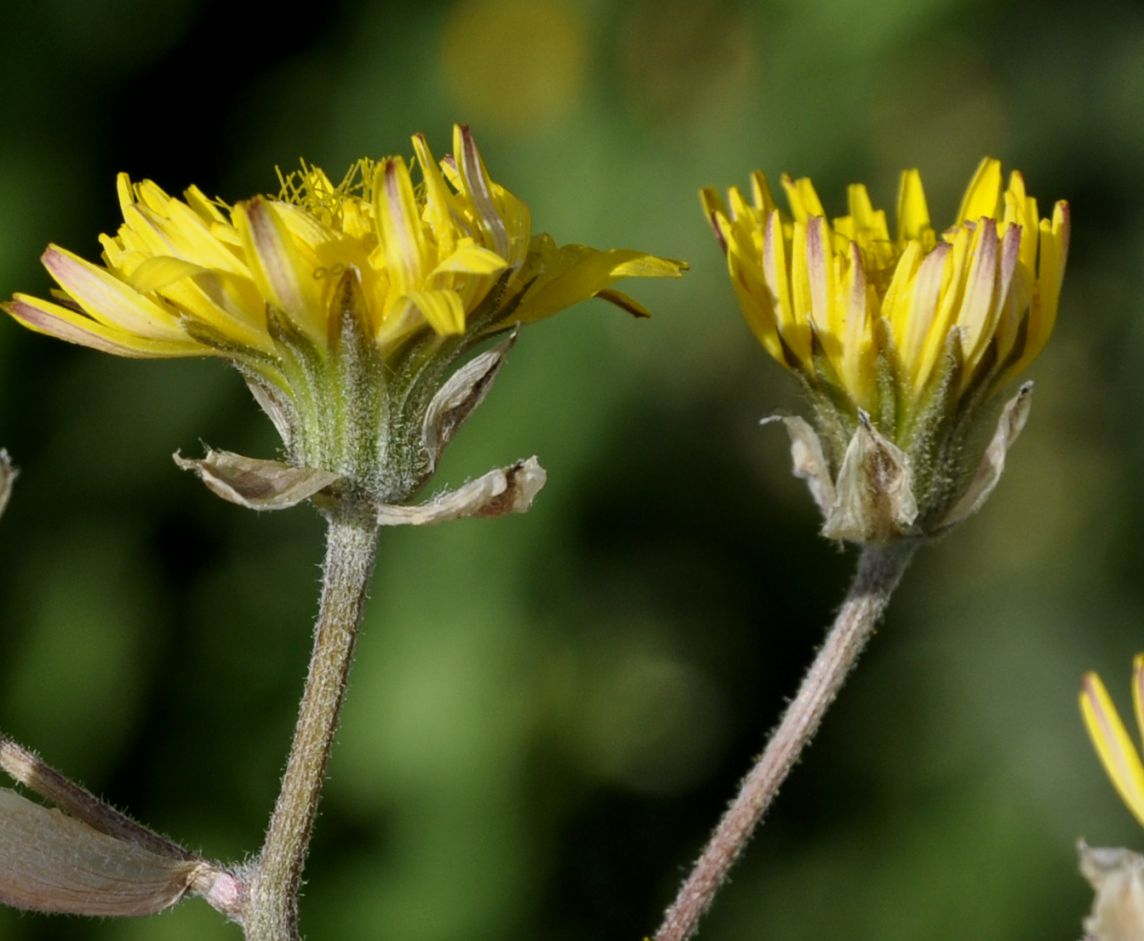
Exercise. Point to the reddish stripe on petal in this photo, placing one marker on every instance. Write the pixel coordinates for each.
(477, 183)
(43, 321)
(717, 228)
(274, 259)
(817, 271)
(979, 305)
(1010, 254)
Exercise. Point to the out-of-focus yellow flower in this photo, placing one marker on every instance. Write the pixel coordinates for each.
(1113, 744)
(901, 339)
(343, 305)
(848, 305)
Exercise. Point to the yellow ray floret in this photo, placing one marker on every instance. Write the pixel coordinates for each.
(848, 290)
(1113, 744)
(193, 276)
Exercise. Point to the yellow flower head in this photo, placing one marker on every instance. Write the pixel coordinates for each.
(900, 340)
(846, 304)
(343, 304)
(1113, 744)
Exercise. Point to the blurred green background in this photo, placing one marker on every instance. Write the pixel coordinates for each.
(549, 712)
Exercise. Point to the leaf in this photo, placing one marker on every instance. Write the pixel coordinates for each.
(992, 466)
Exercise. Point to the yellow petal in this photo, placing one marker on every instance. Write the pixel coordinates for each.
(922, 311)
(949, 301)
(639, 265)
(897, 305)
(438, 198)
(775, 269)
(479, 190)
(203, 206)
(219, 299)
(820, 272)
(740, 208)
(856, 337)
(66, 324)
(1012, 294)
(913, 213)
(441, 309)
(804, 201)
(871, 221)
(400, 223)
(1115, 748)
(1054, 247)
(574, 273)
(109, 300)
(470, 259)
(761, 192)
(712, 202)
(757, 302)
(983, 196)
(1054, 253)
(978, 312)
(280, 272)
(160, 271)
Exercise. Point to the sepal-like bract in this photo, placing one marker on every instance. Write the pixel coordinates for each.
(259, 484)
(255, 483)
(873, 495)
(459, 396)
(989, 471)
(504, 490)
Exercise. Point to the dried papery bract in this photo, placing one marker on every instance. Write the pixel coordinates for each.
(271, 485)
(369, 319)
(903, 343)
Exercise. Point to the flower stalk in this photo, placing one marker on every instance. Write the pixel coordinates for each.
(271, 911)
(879, 570)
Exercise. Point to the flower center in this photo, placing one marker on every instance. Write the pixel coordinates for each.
(310, 189)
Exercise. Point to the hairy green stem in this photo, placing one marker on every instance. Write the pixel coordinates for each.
(271, 909)
(879, 570)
